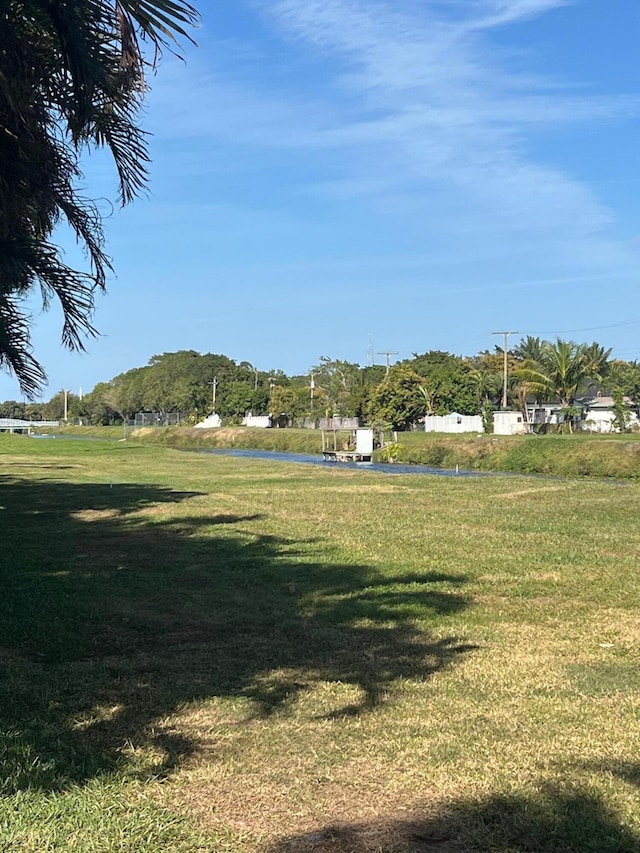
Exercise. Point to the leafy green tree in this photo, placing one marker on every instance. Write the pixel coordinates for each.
(125, 393)
(339, 381)
(236, 399)
(95, 406)
(398, 399)
(622, 419)
(625, 375)
(450, 383)
(54, 409)
(181, 382)
(488, 371)
(72, 79)
(170, 383)
(373, 375)
(283, 402)
(12, 409)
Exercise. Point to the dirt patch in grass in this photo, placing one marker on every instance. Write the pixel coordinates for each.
(262, 810)
(526, 493)
(363, 489)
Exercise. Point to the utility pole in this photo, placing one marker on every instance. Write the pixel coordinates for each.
(255, 374)
(505, 352)
(214, 385)
(66, 407)
(312, 386)
(388, 353)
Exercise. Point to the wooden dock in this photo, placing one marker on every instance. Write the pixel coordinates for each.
(345, 456)
(354, 445)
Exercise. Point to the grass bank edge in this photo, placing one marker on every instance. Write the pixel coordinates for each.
(573, 456)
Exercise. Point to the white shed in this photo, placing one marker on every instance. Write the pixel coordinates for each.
(364, 441)
(509, 423)
(212, 422)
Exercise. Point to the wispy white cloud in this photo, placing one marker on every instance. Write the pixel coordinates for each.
(419, 114)
(503, 12)
(447, 110)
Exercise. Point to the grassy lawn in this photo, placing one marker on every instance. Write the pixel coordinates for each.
(207, 653)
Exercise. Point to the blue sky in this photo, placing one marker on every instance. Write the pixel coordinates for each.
(414, 173)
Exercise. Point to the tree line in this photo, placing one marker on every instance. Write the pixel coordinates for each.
(431, 383)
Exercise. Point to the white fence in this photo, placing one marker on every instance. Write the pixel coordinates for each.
(18, 425)
(453, 423)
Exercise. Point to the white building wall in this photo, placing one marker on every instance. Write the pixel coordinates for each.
(508, 423)
(601, 420)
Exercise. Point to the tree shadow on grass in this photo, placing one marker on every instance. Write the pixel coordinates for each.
(551, 820)
(628, 771)
(116, 611)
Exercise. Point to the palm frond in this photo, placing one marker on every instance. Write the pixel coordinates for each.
(15, 346)
(161, 19)
(113, 129)
(71, 78)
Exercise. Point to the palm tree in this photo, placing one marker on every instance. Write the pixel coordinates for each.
(72, 78)
(529, 348)
(597, 362)
(562, 370)
(559, 373)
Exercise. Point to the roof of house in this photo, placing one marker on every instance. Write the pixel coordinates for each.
(603, 402)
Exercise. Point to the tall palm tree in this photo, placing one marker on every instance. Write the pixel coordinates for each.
(560, 372)
(563, 369)
(72, 78)
(597, 362)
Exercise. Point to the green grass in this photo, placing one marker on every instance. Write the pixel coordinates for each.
(205, 653)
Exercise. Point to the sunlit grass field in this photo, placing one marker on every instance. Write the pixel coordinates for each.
(206, 653)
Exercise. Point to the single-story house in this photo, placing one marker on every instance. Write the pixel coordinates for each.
(599, 414)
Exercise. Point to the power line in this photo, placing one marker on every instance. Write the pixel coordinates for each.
(587, 329)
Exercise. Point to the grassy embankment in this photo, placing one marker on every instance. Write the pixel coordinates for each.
(562, 455)
(205, 653)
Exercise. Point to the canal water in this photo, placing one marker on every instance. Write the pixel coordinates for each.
(311, 459)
